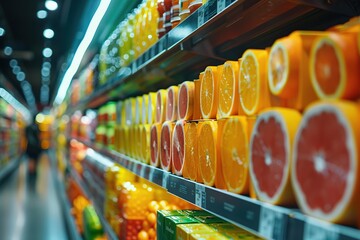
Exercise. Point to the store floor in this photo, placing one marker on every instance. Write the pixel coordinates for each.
(30, 207)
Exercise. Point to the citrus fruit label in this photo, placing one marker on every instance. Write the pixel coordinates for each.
(171, 104)
(151, 107)
(161, 96)
(209, 92)
(166, 145)
(326, 166)
(178, 147)
(155, 133)
(234, 154)
(228, 90)
(270, 155)
(186, 100)
(208, 151)
(253, 89)
(334, 68)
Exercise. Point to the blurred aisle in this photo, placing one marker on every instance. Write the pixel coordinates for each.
(29, 206)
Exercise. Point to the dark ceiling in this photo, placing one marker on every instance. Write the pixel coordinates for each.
(24, 34)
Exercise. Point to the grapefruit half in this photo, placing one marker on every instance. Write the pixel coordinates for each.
(151, 107)
(155, 133)
(172, 103)
(186, 100)
(271, 155)
(166, 145)
(178, 148)
(325, 172)
(160, 106)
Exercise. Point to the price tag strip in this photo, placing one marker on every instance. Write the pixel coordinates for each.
(320, 231)
(272, 223)
(165, 179)
(182, 188)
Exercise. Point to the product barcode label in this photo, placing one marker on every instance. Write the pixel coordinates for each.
(201, 20)
(142, 171)
(151, 174)
(133, 168)
(272, 223)
(165, 179)
(221, 4)
(200, 195)
(316, 231)
(152, 52)
(133, 67)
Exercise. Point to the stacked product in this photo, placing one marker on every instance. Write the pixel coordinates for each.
(263, 125)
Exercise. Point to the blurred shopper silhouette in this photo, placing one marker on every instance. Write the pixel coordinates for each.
(33, 149)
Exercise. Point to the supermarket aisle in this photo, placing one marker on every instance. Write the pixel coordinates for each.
(31, 209)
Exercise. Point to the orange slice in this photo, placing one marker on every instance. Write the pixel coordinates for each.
(145, 109)
(283, 67)
(271, 155)
(197, 84)
(234, 154)
(160, 106)
(228, 90)
(207, 147)
(253, 90)
(155, 133)
(219, 176)
(151, 108)
(252, 192)
(209, 92)
(178, 147)
(166, 145)
(145, 143)
(186, 100)
(171, 103)
(334, 67)
(325, 173)
(138, 109)
(190, 169)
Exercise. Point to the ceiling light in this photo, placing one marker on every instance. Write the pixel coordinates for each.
(8, 51)
(2, 32)
(45, 72)
(80, 51)
(48, 33)
(41, 14)
(13, 63)
(51, 5)
(46, 65)
(47, 52)
(16, 70)
(20, 76)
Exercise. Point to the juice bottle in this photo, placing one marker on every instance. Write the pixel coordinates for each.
(167, 15)
(184, 9)
(175, 11)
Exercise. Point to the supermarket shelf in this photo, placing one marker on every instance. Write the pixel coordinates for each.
(217, 31)
(66, 206)
(348, 7)
(4, 171)
(271, 222)
(108, 230)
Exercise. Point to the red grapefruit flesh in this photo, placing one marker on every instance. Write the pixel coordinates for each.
(155, 144)
(171, 108)
(270, 155)
(178, 147)
(160, 106)
(166, 145)
(325, 172)
(186, 100)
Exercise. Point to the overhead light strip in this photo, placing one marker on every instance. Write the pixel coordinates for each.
(16, 104)
(80, 51)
